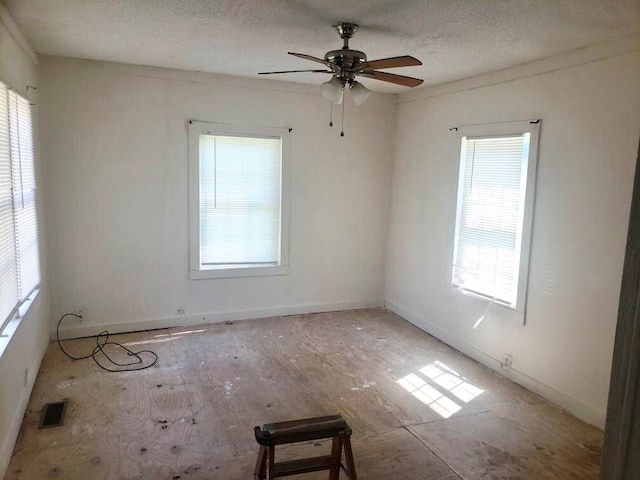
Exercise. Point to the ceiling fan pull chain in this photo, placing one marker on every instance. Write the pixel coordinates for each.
(342, 132)
(331, 115)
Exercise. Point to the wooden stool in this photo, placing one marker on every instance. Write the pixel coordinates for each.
(272, 434)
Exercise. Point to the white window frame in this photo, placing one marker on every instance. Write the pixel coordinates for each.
(9, 324)
(495, 130)
(196, 271)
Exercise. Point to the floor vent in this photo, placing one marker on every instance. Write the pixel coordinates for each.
(52, 414)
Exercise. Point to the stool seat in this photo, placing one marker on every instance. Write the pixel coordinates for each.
(301, 430)
(282, 433)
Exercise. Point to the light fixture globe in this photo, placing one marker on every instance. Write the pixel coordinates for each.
(332, 90)
(360, 93)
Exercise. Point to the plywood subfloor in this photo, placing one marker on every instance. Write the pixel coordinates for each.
(418, 409)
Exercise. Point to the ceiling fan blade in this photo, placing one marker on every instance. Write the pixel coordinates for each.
(313, 59)
(392, 78)
(392, 62)
(295, 71)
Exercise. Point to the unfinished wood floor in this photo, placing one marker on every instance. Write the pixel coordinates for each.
(418, 409)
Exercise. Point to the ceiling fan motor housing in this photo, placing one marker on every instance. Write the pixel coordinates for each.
(347, 61)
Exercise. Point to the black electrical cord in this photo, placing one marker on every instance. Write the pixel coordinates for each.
(102, 340)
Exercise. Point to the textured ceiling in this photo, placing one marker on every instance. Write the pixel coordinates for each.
(453, 38)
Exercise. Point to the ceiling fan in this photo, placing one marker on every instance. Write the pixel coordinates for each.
(346, 64)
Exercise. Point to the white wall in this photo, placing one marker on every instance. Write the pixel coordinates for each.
(115, 146)
(590, 115)
(20, 355)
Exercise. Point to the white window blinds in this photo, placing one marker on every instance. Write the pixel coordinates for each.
(240, 200)
(19, 256)
(489, 224)
(8, 266)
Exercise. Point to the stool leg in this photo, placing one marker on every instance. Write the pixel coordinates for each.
(348, 453)
(261, 464)
(336, 453)
(271, 466)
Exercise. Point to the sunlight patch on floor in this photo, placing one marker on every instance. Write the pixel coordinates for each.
(435, 385)
(164, 337)
(185, 332)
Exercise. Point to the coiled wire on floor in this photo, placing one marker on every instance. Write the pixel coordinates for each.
(110, 365)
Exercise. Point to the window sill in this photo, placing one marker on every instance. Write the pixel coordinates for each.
(480, 296)
(472, 298)
(12, 326)
(238, 272)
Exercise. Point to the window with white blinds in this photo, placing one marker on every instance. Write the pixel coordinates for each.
(239, 206)
(493, 221)
(19, 255)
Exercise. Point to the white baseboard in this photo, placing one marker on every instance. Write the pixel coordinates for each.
(575, 407)
(9, 441)
(79, 330)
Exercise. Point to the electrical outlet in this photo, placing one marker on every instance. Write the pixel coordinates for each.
(81, 314)
(507, 361)
(180, 312)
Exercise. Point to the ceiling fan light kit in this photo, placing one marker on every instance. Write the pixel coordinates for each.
(360, 93)
(333, 90)
(346, 64)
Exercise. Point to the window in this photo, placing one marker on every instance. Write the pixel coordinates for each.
(495, 209)
(19, 256)
(238, 200)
